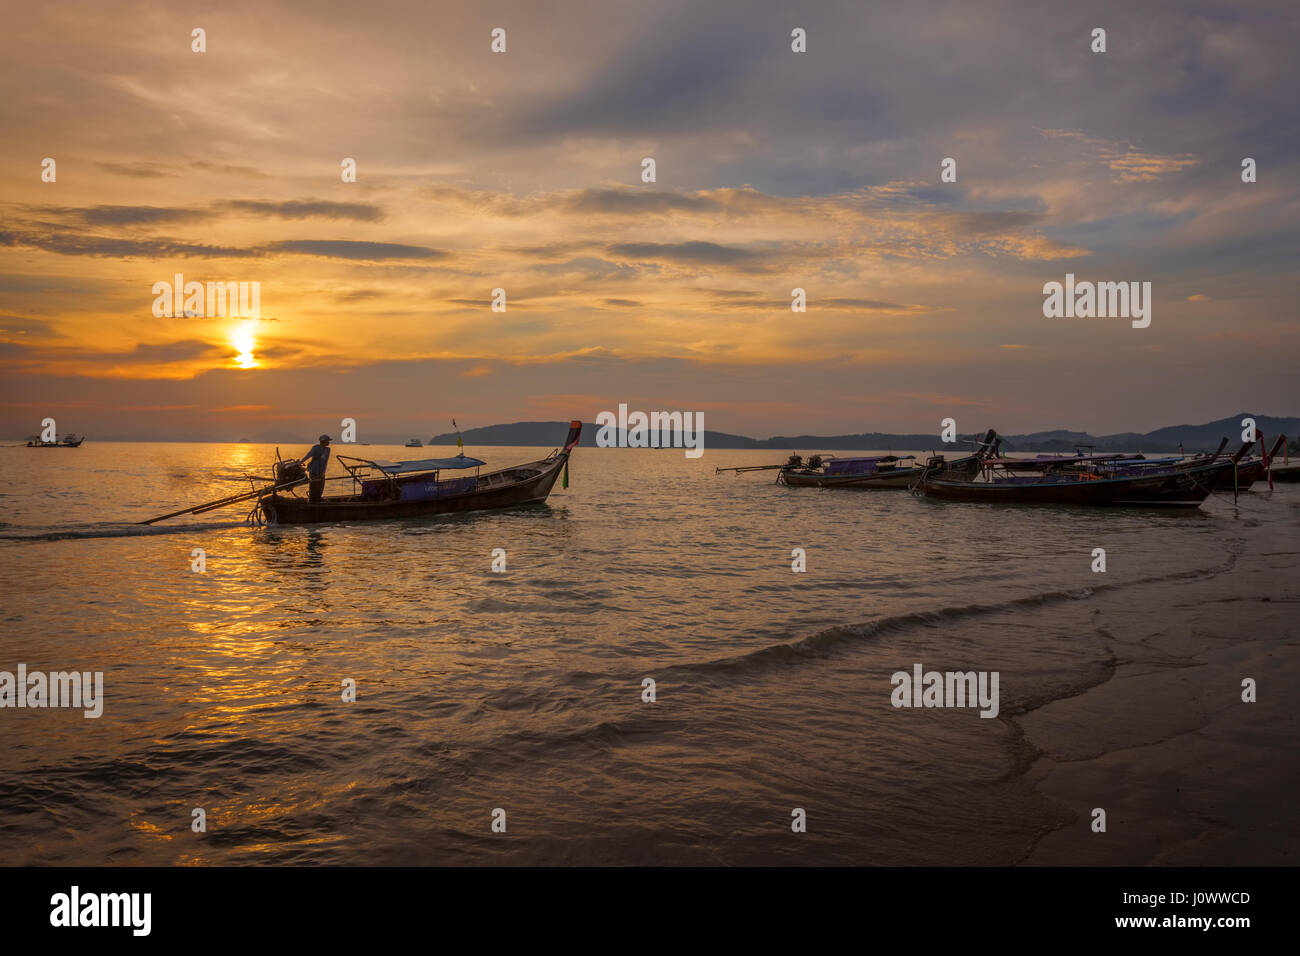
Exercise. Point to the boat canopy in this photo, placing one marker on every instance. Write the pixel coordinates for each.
(428, 464)
(861, 466)
(1078, 458)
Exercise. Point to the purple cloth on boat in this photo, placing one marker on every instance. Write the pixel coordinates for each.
(424, 490)
(851, 466)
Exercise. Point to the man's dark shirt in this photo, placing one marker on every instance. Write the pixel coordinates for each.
(317, 459)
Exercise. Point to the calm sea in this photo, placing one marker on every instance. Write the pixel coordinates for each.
(523, 691)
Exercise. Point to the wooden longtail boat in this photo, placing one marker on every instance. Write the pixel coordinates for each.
(1247, 471)
(1287, 473)
(399, 489)
(1252, 470)
(830, 472)
(982, 477)
(415, 489)
(827, 471)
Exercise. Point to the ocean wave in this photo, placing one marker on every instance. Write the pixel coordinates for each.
(825, 641)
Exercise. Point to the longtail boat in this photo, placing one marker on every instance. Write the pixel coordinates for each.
(1285, 472)
(1246, 471)
(883, 471)
(985, 477)
(827, 471)
(400, 489)
(1254, 469)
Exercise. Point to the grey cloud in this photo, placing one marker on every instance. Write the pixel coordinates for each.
(141, 354)
(141, 170)
(688, 253)
(873, 305)
(350, 249)
(20, 325)
(137, 215)
(249, 172)
(307, 209)
(635, 202)
(99, 246)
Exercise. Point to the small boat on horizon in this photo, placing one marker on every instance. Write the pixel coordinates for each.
(414, 443)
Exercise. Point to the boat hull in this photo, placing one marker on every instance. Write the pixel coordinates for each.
(507, 488)
(1176, 489)
(900, 478)
(1247, 474)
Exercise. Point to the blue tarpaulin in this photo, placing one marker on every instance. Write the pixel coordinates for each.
(428, 464)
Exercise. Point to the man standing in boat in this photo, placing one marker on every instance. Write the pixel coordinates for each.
(317, 459)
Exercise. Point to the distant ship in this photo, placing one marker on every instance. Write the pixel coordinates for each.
(414, 443)
(67, 441)
(245, 441)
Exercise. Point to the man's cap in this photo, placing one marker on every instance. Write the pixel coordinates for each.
(324, 438)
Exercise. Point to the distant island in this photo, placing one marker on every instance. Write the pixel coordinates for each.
(1190, 437)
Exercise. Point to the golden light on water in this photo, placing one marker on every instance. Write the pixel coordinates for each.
(244, 342)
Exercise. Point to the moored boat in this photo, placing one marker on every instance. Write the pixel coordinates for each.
(984, 477)
(1246, 471)
(827, 471)
(882, 471)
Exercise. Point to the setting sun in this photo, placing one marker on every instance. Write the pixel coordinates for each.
(244, 341)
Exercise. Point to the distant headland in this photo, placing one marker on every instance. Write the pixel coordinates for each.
(1190, 437)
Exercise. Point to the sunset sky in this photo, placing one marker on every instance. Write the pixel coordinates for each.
(522, 170)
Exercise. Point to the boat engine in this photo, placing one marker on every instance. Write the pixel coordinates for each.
(795, 461)
(814, 462)
(286, 471)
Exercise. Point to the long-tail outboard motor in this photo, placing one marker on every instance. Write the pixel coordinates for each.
(287, 471)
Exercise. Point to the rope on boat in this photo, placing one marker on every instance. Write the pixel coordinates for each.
(917, 488)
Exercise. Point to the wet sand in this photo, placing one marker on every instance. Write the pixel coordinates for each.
(1187, 773)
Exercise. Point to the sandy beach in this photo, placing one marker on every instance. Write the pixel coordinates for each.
(1188, 774)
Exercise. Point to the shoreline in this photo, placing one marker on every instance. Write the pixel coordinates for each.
(1187, 773)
